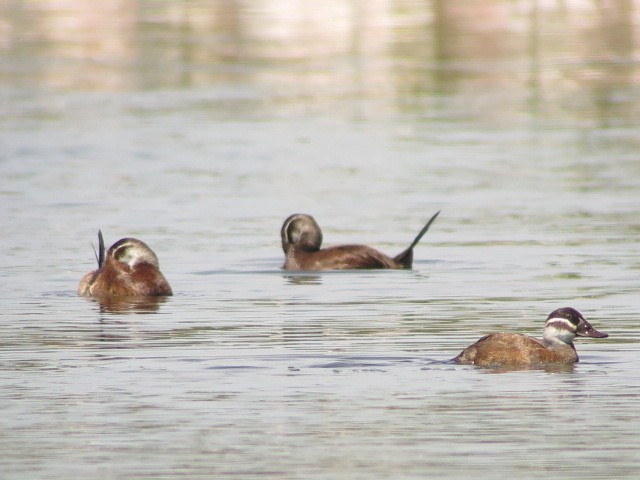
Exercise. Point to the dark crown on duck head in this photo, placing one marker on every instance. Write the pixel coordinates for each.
(566, 313)
(301, 229)
(133, 252)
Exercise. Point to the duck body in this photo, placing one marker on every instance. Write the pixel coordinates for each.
(343, 257)
(129, 269)
(500, 349)
(512, 349)
(302, 241)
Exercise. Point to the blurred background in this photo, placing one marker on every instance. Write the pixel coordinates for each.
(571, 60)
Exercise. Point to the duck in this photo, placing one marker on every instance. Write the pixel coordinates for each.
(302, 241)
(517, 350)
(128, 269)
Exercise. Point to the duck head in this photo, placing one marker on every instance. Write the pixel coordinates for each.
(301, 230)
(564, 324)
(132, 252)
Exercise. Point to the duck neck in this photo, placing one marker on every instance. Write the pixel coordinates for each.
(305, 247)
(554, 337)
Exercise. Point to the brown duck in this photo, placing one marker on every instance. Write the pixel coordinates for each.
(129, 268)
(302, 239)
(516, 350)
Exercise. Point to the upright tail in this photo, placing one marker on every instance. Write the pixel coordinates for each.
(100, 255)
(406, 257)
(101, 258)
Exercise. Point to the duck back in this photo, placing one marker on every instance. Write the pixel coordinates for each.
(513, 349)
(343, 257)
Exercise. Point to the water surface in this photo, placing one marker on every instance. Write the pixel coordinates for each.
(200, 126)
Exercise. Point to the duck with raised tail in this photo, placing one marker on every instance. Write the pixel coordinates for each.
(302, 241)
(128, 269)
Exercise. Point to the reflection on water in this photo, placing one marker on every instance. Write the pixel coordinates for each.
(128, 304)
(198, 126)
(303, 278)
(538, 58)
(558, 368)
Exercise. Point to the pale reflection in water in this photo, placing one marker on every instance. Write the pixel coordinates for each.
(124, 305)
(303, 278)
(326, 51)
(553, 368)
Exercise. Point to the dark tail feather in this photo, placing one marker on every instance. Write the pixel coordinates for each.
(102, 250)
(423, 231)
(406, 257)
(99, 256)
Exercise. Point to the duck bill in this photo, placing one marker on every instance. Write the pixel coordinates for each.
(586, 330)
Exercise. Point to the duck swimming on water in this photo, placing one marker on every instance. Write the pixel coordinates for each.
(302, 241)
(129, 268)
(513, 349)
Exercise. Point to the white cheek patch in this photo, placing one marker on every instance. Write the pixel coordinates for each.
(294, 236)
(561, 334)
(560, 329)
(129, 257)
(135, 254)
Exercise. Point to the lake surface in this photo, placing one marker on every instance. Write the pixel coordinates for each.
(198, 127)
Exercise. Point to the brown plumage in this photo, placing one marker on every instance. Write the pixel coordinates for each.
(512, 349)
(302, 241)
(130, 268)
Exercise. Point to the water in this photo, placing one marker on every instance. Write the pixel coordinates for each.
(200, 126)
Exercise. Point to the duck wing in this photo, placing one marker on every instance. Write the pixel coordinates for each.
(512, 349)
(344, 257)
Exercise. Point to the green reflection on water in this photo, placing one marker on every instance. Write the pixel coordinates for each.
(409, 57)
